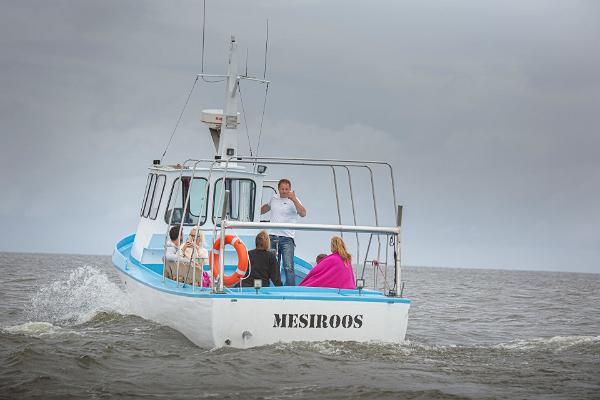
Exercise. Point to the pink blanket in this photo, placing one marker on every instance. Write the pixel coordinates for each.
(331, 272)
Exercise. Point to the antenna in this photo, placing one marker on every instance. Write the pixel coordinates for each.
(246, 62)
(203, 29)
(266, 49)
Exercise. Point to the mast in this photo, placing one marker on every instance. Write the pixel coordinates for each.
(223, 124)
(228, 143)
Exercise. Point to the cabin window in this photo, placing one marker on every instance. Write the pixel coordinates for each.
(149, 196)
(241, 206)
(153, 195)
(146, 194)
(197, 206)
(267, 193)
(159, 187)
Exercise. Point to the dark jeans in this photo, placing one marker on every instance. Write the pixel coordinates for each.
(284, 249)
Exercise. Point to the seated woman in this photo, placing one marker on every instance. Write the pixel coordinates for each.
(333, 271)
(263, 263)
(194, 251)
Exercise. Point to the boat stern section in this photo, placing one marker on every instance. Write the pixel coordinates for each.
(248, 322)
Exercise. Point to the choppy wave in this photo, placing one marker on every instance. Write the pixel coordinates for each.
(86, 292)
(38, 329)
(358, 350)
(554, 343)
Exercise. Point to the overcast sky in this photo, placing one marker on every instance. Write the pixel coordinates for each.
(489, 112)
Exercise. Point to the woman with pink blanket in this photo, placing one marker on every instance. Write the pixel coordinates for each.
(333, 271)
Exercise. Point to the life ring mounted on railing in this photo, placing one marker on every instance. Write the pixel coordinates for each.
(242, 254)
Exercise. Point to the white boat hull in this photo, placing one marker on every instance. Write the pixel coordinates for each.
(226, 320)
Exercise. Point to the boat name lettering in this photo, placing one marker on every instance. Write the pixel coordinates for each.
(317, 321)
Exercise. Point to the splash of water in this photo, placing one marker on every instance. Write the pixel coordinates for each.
(86, 292)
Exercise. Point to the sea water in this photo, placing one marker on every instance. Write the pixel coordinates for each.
(67, 331)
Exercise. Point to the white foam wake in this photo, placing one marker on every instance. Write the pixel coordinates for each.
(555, 342)
(38, 329)
(407, 348)
(86, 292)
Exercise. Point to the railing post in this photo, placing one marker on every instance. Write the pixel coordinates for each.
(353, 212)
(337, 198)
(398, 276)
(222, 239)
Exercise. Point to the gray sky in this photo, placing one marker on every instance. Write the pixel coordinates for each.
(489, 112)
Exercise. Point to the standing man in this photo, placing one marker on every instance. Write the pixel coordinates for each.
(285, 207)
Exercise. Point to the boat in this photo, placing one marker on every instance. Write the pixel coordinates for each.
(220, 196)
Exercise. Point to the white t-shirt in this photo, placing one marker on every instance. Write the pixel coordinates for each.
(283, 210)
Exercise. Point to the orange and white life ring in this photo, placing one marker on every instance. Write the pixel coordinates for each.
(242, 254)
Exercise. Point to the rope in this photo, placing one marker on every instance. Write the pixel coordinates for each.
(245, 121)
(179, 119)
(262, 118)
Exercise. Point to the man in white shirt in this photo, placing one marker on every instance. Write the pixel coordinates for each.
(285, 207)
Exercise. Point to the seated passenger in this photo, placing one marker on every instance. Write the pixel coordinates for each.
(194, 247)
(172, 254)
(263, 263)
(320, 257)
(194, 252)
(333, 271)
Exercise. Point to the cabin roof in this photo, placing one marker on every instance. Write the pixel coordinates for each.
(187, 170)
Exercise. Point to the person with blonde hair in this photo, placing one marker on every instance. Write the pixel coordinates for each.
(339, 247)
(194, 251)
(263, 263)
(333, 271)
(194, 247)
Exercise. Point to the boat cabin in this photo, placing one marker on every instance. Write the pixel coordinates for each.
(169, 186)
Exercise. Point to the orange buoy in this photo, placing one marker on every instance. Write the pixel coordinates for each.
(242, 254)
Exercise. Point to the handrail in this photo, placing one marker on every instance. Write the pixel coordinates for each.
(385, 163)
(167, 238)
(393, 230)
(353, 212)
(226, 194)
(321, 162)
(329, 163)
(337, 198)
(184, 212)
(224, 164)
(316, 163)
